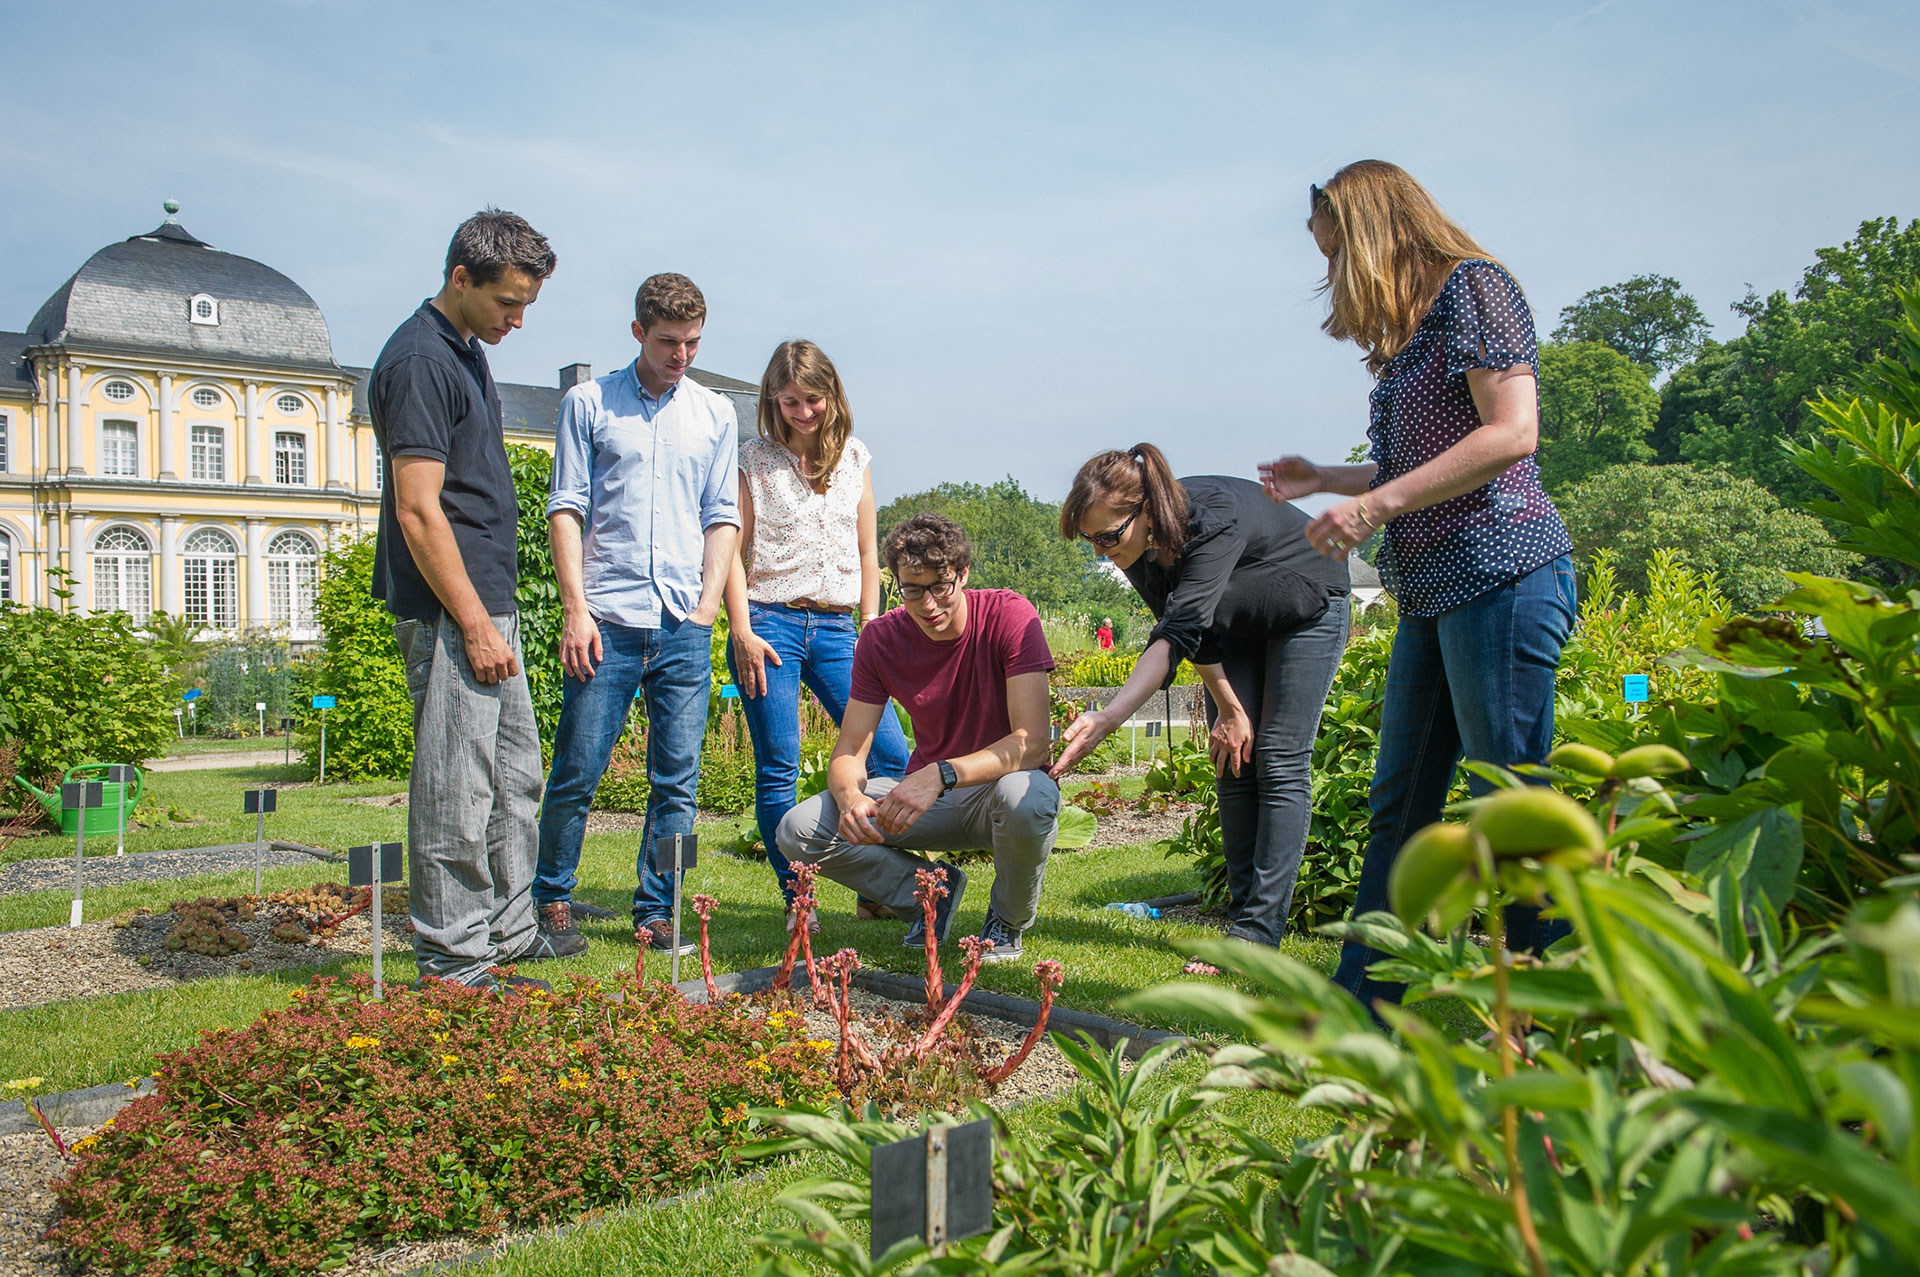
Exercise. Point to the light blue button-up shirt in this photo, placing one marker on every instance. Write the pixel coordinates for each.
(647, 477)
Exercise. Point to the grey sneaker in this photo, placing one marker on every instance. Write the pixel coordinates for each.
(943, 910)
(1004, 939)
(658, 936)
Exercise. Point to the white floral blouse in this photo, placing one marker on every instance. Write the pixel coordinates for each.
(806, 544)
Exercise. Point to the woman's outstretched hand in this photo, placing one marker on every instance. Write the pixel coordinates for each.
(1082, 737)
(1290, 477)
(1338, 531)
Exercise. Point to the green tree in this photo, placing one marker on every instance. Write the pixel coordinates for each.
(79, 689)
(370, 728)
(1596, 409)
(1648, 319)
(1017, 546)
(1713, 521)
(1753, 394)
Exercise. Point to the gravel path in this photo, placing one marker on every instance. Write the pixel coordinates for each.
(215, 759)
(29, 1165)
(153, 866)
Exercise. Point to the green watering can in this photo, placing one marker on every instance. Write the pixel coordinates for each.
(104, 819)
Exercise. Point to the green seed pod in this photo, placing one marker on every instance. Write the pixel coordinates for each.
(1429, 865)
(1650, 760)
(1531, 821)
(1582, 760)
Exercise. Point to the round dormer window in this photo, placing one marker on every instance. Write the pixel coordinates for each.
(206, 397)
(118, 391)
(290, 405)
(203, 309)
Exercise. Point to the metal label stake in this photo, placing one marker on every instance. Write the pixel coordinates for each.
(82, 796)
(286, 725)
(937, 1186)
(258, 802)
(122, 775)
(675, 854)
(362, 871)
(323, 704)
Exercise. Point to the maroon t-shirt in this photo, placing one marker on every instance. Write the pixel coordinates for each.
(955, 692)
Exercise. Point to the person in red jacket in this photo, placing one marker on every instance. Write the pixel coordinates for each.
(1104, 635)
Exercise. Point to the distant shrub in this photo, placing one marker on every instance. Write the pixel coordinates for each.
(77, 689)
(242, 672)
(1110, 669)
(370, 729)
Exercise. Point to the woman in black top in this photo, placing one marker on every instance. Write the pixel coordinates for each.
(1263, 618)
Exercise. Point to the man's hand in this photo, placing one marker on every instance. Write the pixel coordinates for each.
(1082, 737)
(909, 800)
(488, 654)
(705, 614)
(750, 654)
(857, 814)
(1231, 744)
(580, 648)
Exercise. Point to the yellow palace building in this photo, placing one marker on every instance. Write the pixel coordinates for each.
(175, 435)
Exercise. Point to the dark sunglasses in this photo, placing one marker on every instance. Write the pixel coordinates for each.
(1315, 198)
(1107, 540)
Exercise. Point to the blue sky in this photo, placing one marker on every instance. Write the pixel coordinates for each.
(1025, 232)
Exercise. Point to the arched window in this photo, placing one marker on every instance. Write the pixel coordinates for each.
(203, 309)
(123, 571)
(210, 572)
(6, 565)
(293, 569)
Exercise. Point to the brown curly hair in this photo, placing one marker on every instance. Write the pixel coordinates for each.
(927, 543)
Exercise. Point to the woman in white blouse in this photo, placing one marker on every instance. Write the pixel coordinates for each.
(808, 566)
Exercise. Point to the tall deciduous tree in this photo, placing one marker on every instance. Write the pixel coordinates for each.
(1715, 521)
(1596, 409)
(1017, 546)
(1648, 319)
(1739, 402)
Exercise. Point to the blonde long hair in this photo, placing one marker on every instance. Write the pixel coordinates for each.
(1394, 249)
(803, 364)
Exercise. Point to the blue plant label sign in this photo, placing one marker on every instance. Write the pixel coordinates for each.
(323, 702)
(192, 694)
(729, 691)
(1634, 688)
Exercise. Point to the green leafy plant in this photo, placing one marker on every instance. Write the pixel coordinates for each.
(80, 688)
(370, 729)
(1112, 669)
(1184, 769)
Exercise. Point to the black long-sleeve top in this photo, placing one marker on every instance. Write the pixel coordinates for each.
(1246, 574)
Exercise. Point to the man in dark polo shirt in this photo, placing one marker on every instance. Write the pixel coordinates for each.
(447, 568)
(970, 668)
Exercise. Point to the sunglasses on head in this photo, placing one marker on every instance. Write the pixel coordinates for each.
(1113, 536)
(1316, 196)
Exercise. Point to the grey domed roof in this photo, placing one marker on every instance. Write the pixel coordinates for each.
(133, 296)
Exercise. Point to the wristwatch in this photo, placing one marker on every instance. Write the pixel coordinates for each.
(948, 777)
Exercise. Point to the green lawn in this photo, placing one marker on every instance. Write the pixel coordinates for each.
(181, 747)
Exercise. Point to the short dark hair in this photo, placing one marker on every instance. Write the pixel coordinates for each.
(668, 297)
(927, 543)
(493, 241)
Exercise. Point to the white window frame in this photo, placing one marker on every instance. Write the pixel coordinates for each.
(210, 580)
(197, 472)
(299, 408)
(293, 578)
(6, 565)
(218, 397)
(379, 467)
(211, 320)
(284, 474)
(106, 390)
(6, 442)
(125, 571)
(107, 424)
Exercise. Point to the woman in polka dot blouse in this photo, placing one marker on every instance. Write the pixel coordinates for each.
(1474, 552)
(807, 566)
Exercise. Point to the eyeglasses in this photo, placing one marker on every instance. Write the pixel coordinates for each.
(1316, 196)
(940, 591)
(1108, 539)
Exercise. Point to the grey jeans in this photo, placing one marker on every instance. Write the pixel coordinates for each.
(1017, 817)
(471, 836)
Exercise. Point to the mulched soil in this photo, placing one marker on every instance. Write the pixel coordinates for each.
(54, 964)
(29, 1165)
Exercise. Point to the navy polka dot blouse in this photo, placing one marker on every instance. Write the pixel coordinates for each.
(1436, 559)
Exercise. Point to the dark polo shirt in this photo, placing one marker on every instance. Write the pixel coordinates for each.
(432, 395)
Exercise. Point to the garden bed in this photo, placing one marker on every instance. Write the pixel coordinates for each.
(102, 868)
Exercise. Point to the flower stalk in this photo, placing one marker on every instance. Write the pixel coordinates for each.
(1051, 976)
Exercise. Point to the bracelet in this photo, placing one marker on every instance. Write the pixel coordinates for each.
(1364, 516)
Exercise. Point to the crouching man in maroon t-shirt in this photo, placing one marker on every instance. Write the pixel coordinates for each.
(970, 668)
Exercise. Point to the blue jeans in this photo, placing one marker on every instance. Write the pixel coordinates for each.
(816, 648)
(670, 666)
(1476, 680)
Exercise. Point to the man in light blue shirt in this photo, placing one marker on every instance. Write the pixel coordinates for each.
(643, 515)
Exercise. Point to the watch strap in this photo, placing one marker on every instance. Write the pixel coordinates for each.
(948, 777)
